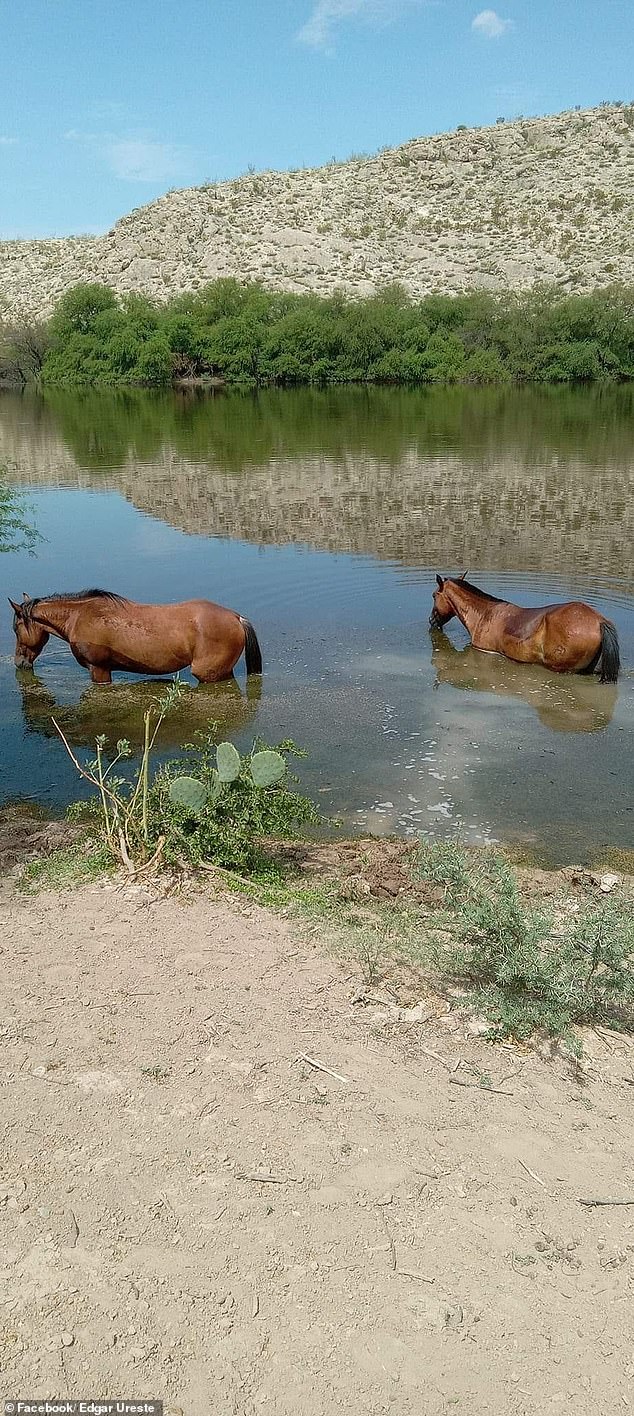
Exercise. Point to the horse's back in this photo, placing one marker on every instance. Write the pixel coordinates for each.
(526, 622)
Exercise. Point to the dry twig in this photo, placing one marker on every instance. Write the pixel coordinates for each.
(479, 1086)
(531, 1172)
(263, 1179)
(321, 1067)
(590, 1203)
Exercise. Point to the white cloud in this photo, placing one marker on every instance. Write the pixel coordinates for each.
(327, 14)
(489, 23)
(138, 158)
(143, 160)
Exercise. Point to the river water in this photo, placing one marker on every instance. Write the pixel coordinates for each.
(324, 516)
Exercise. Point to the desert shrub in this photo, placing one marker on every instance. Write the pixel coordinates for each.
(227, 820)
(213, 807)
(531, 969)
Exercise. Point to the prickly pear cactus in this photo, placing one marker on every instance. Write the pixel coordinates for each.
(267, 768)
(189, 794)
(228, 762)
(215, 785)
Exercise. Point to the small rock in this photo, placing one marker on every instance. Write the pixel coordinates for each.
(477, 1027)
(418, 1014)
(67, 1339)
(454, 1317)
(607, 883)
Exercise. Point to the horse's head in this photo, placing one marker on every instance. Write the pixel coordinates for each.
(30, 637)
(443, 609)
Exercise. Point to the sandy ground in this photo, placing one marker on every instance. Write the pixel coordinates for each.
(190, 1212)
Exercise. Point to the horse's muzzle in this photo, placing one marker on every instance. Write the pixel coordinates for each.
(435, 621)
(21, 662)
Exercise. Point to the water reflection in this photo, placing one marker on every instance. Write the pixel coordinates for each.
(118, 710)
(572, 703)
(506, 479)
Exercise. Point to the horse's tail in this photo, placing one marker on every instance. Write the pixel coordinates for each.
(252, 651)
(609, 659)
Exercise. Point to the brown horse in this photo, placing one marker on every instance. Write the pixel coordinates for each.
(107, 632)
(569, 639)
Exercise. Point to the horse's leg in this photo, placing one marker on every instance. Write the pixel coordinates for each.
(99, 675)
(214, 661)
(210, 673)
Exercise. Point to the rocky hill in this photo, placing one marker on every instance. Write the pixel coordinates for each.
(540, 199)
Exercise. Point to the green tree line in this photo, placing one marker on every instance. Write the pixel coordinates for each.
(247, 335)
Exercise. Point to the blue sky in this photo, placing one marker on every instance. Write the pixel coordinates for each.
(104, 104)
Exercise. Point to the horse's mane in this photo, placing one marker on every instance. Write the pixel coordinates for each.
(475, 590)
(80, 595)
(30, 605)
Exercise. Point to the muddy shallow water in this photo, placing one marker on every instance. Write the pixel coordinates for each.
(324, 517)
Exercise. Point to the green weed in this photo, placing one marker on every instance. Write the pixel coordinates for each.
(530, 970)
(73, 865)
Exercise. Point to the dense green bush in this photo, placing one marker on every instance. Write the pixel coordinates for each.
(244, 334)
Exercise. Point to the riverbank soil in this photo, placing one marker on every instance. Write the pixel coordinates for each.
(192, 1210)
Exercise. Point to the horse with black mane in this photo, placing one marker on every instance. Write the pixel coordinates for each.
(106, 631)
(568, 639)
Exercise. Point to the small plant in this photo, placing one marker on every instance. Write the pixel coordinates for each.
(444, 863)
(371, 949)
(72, 865)
(157, 1073)
(220, 813)
(124, 805)
(216, 814)
(531, 971)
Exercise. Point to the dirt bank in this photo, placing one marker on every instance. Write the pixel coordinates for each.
(190, 1211)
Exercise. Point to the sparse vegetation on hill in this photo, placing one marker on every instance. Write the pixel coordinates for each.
(541, 199)
(247, 335)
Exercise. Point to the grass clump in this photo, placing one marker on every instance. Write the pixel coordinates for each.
(67, 867)
(531, 969)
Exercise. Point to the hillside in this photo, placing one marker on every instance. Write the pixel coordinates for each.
(541, 199)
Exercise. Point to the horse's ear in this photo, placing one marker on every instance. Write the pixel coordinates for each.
(25, 596)
(16, 608)
(439, 582)
(464, 575)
